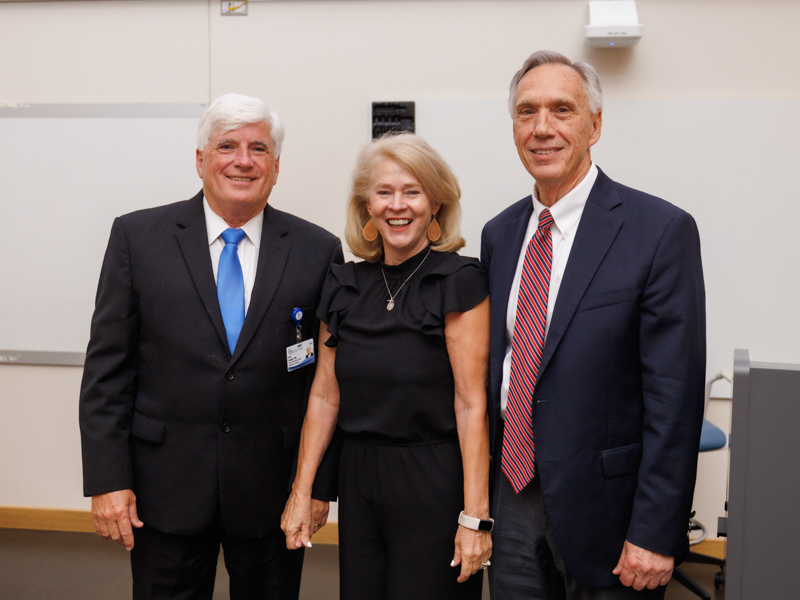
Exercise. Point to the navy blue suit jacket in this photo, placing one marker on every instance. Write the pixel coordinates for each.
(617, 409)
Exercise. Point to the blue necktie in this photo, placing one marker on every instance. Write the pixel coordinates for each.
(230, 286)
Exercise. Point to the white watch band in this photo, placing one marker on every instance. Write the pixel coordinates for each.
(475, 523)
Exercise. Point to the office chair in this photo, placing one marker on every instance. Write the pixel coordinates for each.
(711, 438)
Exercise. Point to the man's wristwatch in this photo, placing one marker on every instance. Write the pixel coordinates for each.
(475, 523)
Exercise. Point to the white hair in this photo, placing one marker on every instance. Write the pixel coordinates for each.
(232, 111)
(591, 82)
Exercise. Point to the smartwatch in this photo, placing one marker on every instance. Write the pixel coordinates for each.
(475, 523)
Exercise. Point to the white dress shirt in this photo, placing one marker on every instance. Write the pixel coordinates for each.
(247, 249)
(566, 215)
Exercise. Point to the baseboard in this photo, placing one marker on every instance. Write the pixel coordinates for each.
(51, 519)
(714, 547)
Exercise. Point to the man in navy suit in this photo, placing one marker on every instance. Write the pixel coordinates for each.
(597, 361)
(190, 415)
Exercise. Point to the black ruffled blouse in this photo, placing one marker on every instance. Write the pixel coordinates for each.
(395, 380)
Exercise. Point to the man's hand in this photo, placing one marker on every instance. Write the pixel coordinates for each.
(115, 516)
(319, 514)
(639, 568)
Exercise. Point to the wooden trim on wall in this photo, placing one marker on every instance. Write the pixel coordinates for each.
(48, 519)
(51, 519)
(327, 535)
(716, 547)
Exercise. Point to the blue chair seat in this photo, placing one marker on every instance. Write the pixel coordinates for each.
(711, 437)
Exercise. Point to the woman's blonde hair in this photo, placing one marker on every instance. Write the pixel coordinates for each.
(437, 178)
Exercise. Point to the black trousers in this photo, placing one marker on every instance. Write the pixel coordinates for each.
(183, 567)
(398, 516)
(526, 562)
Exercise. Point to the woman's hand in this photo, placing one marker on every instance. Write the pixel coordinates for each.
(297, 521)
(473, 548)
(467, 338)
(303, 516)
(319, 513)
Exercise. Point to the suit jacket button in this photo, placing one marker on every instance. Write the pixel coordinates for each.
(229, 375)
(226, 428)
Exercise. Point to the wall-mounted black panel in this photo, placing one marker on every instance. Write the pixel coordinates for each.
(392, 116)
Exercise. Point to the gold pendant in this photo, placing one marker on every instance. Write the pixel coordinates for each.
(389, 304)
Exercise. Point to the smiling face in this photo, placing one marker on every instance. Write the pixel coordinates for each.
(554, 129)
(401, 210)
(238, 169)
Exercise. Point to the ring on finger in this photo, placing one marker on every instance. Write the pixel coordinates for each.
(486, 565)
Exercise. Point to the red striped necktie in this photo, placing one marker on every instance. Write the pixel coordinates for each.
(526, 354)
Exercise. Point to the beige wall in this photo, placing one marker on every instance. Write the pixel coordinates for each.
(320, 64)
(40, 453)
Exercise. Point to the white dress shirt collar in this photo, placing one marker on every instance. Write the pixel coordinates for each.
(215, 225)
(567, 211)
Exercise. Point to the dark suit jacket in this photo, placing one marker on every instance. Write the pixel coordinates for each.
(165, 409)
(618, 406)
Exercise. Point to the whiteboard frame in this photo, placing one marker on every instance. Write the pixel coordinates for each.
(88, 111)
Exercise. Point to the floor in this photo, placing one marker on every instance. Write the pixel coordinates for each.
(39, 565)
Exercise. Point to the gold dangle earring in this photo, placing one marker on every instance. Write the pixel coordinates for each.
(434, 231)
(370, 231)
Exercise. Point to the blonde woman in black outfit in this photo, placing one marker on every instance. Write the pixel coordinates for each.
(404, 343)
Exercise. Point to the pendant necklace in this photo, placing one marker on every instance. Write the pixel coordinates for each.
(390, 301)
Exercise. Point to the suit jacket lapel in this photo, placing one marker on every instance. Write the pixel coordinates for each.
(505, 255)
(597, 230)
(272, 257)
(193, 240)
(507, 250)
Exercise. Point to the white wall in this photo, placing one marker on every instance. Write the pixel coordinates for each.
(320, 64)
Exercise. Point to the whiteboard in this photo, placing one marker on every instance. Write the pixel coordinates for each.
(63, 180)
(730, 162)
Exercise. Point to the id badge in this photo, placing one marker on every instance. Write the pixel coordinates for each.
(300, 355)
